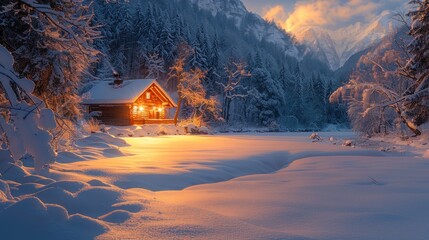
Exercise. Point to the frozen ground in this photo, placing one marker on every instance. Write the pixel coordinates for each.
(244, 186)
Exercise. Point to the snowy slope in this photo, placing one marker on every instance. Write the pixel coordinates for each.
(252, 23)
(234, 9)
(337, 46)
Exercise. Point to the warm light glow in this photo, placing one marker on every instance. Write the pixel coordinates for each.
(320, 13)
(160, 109)
(141, 108)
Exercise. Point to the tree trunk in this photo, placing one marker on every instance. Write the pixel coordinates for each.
(225, 109)
(228, 106)
(176, 115)
(411, 126)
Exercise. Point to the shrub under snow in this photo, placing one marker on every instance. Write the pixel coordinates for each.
(26, 122)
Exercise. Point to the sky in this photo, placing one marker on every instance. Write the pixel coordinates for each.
(329, 14)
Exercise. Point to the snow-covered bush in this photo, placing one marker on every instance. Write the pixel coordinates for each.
(25, 123)
(315, 137)
(91, 125)
(348, 143)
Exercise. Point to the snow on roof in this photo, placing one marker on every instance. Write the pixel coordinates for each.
(105, 93)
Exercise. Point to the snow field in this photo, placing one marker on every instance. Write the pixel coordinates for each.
(241, 186)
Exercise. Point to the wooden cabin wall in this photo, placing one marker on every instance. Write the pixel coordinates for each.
(154, 99)
(149, 104)
(117, 115)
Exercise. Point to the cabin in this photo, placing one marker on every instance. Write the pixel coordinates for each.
(129, 102)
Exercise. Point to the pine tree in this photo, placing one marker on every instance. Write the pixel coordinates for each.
(317, 101)
(213, 74)
(178, 27)
(267, 96)
(148, 31)
(297, 96)
(417, 68)
(156, 65)
(166, 42)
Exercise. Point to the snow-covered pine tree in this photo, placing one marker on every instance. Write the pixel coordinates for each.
(417, 95)
(198, 58)
(178, 27)
(295, 88)
(267, 96)
(213, 72)
(120, 38)
(155, 65)
(148, 30)
(166, 42)
(102, 68)
(136, 55)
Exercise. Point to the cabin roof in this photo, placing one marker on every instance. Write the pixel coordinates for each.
(104, 92)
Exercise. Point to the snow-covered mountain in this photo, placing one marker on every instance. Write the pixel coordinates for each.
(251, 23)
(234, 9)
(337, 46)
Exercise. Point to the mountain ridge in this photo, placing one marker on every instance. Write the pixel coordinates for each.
(337, 46)
(253, 24)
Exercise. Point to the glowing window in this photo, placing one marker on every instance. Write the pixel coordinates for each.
(148, 95)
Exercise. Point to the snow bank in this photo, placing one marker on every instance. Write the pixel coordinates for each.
(192, 129)
(101, 139)
(94, 146)
(37, 207)
(5, 194)
(30, 218)
(146, 130)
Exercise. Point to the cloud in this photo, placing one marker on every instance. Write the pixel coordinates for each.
(327, 13)
(275, 13)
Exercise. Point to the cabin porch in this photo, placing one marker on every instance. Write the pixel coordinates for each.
(153, 121)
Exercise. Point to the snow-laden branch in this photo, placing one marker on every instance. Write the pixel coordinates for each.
(71, 25)
(26, 130)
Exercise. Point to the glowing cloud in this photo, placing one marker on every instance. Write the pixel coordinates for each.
(326, 13)
(276, 14)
